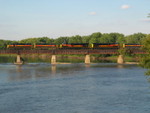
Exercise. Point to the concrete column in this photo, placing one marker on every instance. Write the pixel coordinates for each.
(87, 59)
(120, 59)
(53, 59)
(18, 60)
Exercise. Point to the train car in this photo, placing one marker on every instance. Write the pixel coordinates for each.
(20, 46)
(45, 46)
(75, 46)
(105, 46)
(132, 46)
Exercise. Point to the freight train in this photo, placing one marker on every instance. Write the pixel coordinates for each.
(73, 46)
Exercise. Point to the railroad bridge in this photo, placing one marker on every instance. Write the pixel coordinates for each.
(54, 52)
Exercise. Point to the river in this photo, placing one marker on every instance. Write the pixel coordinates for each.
(73, 88)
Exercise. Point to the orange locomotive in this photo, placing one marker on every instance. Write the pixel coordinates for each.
(20, 46)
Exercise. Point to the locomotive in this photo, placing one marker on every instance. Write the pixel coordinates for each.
(19, 46)
(105, 45)
(73, 46)
(132, 46)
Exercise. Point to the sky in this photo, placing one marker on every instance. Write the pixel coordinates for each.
(21, 19)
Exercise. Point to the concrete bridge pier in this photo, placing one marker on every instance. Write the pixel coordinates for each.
(120, 59)
(53, 59)
(87, 59)
(18, 60)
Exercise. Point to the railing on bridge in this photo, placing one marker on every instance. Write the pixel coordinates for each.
(70, 51)
(62, 51)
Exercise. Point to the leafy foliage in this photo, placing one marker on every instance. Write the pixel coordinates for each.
(44, 40)
(145, 60)
(75, 39)
(146, 43)
(122, 51)
(135, 38)
(61, 40)
(95, 37)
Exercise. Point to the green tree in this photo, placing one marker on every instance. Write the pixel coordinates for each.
(135, 38)
(46, 40)
(146, 43)
(115, 36)
(43, 40)
(145, 60)
(61, 40)
(112, 38)
(75, 39)
(105, 38)
(95, 37)
(30, 40)
(121, 40)
(86, 39)
(4, 43)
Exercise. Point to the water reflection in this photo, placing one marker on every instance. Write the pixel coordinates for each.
(35, 71)
(19, 68)
(87, 65)
(120, 66)
(100, 86)
(19, 74)
(53, 69)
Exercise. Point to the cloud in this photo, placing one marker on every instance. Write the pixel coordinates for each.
(125, 7)
(92, 13)
(146, 20)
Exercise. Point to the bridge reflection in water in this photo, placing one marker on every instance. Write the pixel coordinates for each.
(25, 72)
(38, 71)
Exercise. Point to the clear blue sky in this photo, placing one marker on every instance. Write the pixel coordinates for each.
(20, 19)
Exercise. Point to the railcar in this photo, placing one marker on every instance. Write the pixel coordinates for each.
(132, 46)
(75, 45)
(45, 46)
(105, 46)
(20, 46)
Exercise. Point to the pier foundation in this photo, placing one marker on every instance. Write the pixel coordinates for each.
(87, 59)
(53, 59)
(18, 60)
(120, 59)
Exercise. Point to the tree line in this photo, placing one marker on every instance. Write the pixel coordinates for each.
(98, 37)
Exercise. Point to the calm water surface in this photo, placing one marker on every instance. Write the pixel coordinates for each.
(73, 88)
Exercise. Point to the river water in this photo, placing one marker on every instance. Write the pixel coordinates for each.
(73, 88)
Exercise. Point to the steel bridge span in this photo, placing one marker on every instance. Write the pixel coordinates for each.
(86, 52)
(70, 51)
